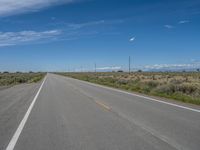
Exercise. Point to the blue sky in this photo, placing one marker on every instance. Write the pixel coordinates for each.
(62, 35)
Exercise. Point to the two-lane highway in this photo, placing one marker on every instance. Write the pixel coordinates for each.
(69, 114)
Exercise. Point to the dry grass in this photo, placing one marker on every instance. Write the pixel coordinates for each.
(7, 79)
(179, 86)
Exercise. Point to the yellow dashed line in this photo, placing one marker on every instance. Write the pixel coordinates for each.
(103, 105)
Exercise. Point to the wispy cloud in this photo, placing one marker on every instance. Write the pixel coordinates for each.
(16, 38)
(86, 24)
(109, 68)
(67, 31)
(132, 39)
(88, 29)
(80, 25)
(173, 66)
(168, 26)
(183, 21)
(10, 7)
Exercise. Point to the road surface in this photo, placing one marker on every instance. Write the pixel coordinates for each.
(69, 114)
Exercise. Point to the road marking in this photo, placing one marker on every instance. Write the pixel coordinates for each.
(15, 137)
(103, 105)
(145, 97)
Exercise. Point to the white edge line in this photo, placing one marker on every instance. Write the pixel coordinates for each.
(145, 97)
(15, 137)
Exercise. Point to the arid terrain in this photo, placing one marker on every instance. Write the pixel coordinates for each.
(9, 79)
(181, 86)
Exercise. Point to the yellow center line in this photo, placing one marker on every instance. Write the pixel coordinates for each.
(103, 105)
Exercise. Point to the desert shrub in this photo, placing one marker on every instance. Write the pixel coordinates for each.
(153, 77)
(18, 78)
(135, 88)
(187, 88)
(181, 91)
(167, 89)
(152, 84)
(122, 81)
(135, 81)
(176, 81)
(126, 87)
(35, 79)
(142, 78)
(125, 76)
(146, 89)
(196, 93)
(176, 85)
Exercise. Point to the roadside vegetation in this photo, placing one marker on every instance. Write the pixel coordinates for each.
(8, 79)
(181, 86)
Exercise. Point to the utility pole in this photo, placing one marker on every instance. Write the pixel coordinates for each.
(129, 64)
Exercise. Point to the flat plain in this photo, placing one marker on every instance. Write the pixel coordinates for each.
(180, 86)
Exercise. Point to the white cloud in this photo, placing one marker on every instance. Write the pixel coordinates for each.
(168, 26)
(80, 25)
(15, 38)
(67, 31)
(173, 66)
(132, 39)
(183, 21)
(10, 7)
(86, 24)
(109, 68)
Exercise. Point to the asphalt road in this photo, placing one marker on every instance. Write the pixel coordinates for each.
(69, 114)
(14, 103)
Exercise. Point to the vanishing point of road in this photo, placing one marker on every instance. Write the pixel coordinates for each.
(62, 113)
